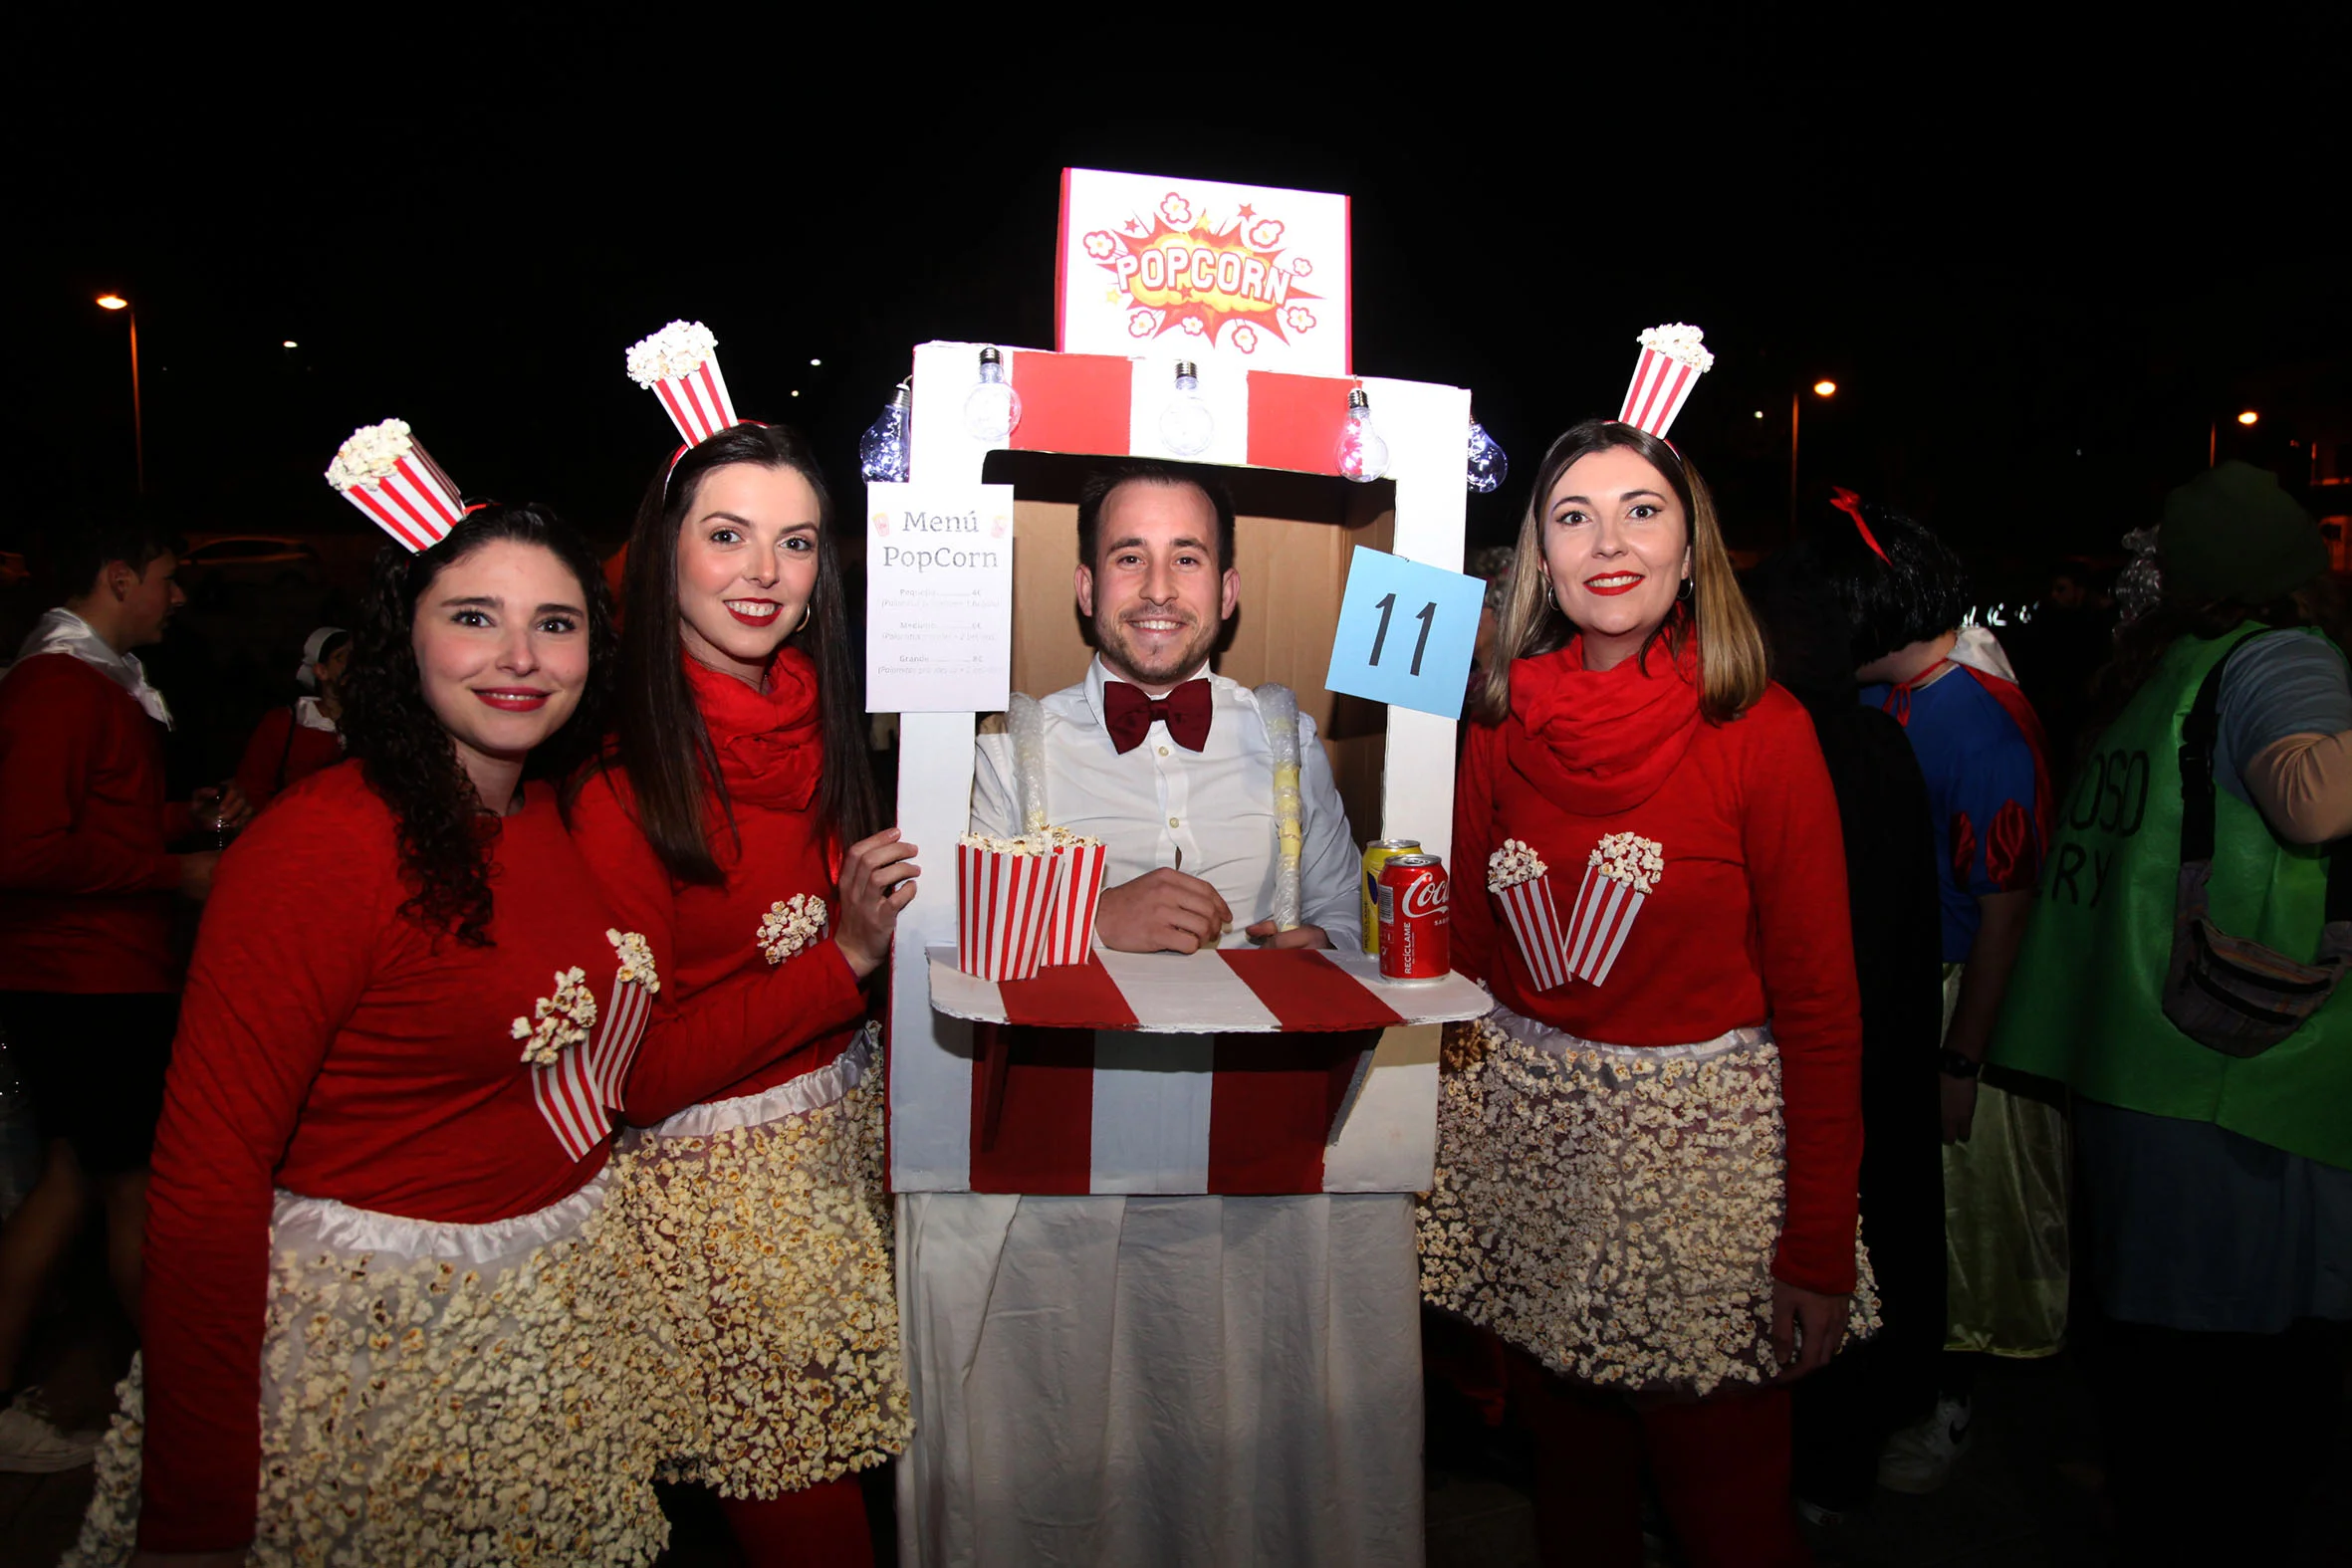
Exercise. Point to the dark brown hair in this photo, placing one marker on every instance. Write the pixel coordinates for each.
(408, 757)
(1732, 663)
(1096, 493)
(661, 739)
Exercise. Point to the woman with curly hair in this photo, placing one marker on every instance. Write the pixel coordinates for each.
(385, 1321)
(735, 823)
(1647, 1152)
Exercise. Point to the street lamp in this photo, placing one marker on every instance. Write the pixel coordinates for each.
(139, 434)
(2249, 417)
(1821, 388)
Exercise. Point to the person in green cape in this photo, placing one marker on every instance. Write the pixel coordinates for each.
(2198, 1019)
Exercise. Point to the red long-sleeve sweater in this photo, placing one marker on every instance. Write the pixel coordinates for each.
(725, 1014)
(282, 753)
(330, 1046)
(1748, 925)
(86, 884)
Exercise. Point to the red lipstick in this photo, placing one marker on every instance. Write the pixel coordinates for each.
(768, 619)
(1592, 585)
(514, 699)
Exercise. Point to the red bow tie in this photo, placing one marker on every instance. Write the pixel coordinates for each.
(1127, 713)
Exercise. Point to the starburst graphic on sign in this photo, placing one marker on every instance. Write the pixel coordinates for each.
(1187, 271)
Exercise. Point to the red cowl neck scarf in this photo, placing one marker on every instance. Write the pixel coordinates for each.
(770, 744)
(1597, 742)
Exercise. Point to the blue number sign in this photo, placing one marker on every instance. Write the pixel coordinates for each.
(1406, 632)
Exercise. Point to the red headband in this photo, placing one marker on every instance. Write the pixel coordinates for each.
(1851, 504)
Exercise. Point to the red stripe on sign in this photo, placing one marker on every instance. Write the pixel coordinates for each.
(1074, 402)
(1070, 996)
(1032, 1110)
(1296, 422)
(1308, 991)
(1271, 1107)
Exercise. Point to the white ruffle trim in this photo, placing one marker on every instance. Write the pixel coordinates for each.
(1559, 1043)
(811, 1091)
(309, 1225)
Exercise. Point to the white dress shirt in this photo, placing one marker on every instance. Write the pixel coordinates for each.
(1215, 807)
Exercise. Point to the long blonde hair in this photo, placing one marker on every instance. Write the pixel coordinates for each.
(1733, 672)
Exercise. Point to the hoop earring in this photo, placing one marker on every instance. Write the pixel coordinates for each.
(1688, 587)
(805, 611)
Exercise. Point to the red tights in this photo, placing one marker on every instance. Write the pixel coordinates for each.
(1722, 1466)
(819, 1526)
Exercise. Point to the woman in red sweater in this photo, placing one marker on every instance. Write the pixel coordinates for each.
(384, 1319)
(1647, 1153)
(732, 823)
(293, 743)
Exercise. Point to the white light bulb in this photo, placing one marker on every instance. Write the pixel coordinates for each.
(993, 408)
(1488, 466)
(1363, 455)
(881, 451)
(1186, 425)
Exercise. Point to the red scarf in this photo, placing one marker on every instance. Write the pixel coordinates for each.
(770, 744)
(1596, 743)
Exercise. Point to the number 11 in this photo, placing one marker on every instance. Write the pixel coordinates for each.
(1427, 616)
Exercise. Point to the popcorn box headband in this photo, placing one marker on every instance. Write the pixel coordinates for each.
(1673, 357)
(384, 472)
(680, 366)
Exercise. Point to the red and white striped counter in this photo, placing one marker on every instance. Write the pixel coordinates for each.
(1229, 991)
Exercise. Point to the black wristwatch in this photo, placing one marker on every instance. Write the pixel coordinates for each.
(1954, 1065)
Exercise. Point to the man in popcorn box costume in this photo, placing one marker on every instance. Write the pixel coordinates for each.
(1648, 1152)
(1226, 1378)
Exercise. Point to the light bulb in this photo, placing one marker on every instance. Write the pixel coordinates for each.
(1488, 466)
(1186, 425)
(1363, 455)
(993, 408)
(881, 451)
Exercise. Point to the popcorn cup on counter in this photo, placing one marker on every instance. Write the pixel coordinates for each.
(1619, 876)
(1078, 866)
(1003, 898)
(1517, 877)
(383, 470)
(680, 366)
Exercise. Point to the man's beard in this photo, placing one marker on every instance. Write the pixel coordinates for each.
(1125, 659)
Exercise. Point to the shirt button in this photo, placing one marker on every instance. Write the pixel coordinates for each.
(1172, 821)
(1163, 751)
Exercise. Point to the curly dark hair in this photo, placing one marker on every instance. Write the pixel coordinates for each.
(407, 755)
(1917, 590)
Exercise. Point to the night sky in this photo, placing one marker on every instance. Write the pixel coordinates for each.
(2039, 268)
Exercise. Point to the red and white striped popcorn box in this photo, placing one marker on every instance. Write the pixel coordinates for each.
(1673, 357)
(680, 366)
(1517, 877)
(1078, 867)
(1619, 876)
(383, 470)
(1003, 899)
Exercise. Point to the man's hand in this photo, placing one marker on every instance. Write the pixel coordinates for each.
(1264, 935)
(1959, 1106)
(222, 806)
(195, 874)
(1161, 911)
(877, 881)
(1807, 1328)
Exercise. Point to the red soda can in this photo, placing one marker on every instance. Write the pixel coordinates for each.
(1415, 919)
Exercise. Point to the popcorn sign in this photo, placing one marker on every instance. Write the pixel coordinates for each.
(1203, 271)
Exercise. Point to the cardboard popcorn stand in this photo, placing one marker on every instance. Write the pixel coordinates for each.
(970, 563)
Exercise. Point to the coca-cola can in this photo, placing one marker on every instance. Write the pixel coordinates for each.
(1415, 919)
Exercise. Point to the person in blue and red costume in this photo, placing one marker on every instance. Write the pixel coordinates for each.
(1648, 1152)
(1979, 745)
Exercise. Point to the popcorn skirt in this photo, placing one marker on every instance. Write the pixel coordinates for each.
(768, 1221)
(1612, 1211)
(459, 1394)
